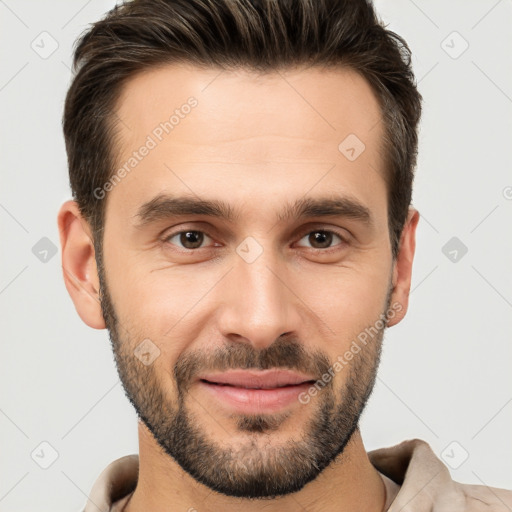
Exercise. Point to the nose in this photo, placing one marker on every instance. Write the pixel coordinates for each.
(258, 304)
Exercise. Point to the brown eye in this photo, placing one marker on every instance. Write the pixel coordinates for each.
(188, 239)
(321, 239)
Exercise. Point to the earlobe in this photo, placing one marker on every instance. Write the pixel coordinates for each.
(79, 264)
(402, 268)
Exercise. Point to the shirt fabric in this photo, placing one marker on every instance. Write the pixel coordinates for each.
(415, 479)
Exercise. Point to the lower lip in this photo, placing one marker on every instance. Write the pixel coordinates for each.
(255, 400)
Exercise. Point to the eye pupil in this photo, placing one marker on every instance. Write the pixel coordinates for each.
(191, 239)
(322, 237)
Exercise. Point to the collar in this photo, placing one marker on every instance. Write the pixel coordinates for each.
(424, 482)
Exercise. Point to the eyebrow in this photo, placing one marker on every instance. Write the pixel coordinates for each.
(165, 206)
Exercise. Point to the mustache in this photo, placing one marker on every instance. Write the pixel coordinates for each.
(284, 353)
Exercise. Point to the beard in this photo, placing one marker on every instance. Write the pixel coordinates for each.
(251, 469)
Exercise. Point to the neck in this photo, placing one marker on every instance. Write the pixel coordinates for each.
(350, 483)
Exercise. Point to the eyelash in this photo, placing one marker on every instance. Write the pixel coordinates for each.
(343, 239)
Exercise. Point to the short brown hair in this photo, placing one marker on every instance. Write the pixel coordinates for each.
(261, 35)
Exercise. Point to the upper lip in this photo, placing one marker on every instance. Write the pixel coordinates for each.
(257, 379)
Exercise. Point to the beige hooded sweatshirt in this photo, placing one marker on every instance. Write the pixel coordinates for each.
(416, 481)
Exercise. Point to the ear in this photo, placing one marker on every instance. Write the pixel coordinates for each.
(79, 264)
(402, 267)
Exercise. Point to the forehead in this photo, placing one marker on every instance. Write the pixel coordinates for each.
(329, 99)
(274, 133)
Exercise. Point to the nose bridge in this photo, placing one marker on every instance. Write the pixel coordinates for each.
(258, 306)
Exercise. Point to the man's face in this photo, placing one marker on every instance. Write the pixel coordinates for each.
(198, 305)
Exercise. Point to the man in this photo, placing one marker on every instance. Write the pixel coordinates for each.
(241, 224)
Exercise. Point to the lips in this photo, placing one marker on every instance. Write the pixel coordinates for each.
(255, 391)
(257, 379)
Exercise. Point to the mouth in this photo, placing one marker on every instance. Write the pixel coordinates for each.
(253, 392)
(260, 379)
(255, 387)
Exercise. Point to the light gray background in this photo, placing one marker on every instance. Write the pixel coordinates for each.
(445, 374)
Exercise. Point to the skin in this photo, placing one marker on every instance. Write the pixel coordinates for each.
(255, 142)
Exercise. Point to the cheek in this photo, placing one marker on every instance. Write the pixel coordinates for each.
(166, 306)
(347, 299)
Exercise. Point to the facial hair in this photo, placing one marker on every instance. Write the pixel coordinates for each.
(247, 470)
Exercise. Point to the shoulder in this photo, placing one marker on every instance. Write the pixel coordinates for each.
(482, 497)
(426, 484)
